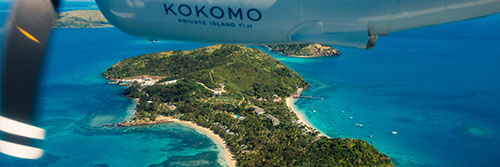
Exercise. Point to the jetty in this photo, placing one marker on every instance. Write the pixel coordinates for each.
(158, 120)
(308, 97)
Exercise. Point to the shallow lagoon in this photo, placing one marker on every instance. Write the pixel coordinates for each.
(75, 100)
(437, 87)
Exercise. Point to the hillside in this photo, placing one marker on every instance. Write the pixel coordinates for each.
(241, 69)
(236, 92)
(81, 19)
(304, 50)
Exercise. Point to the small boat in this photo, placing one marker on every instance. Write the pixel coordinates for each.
(372, 142)
(342, 111)
(394, 132)
(370, 136)
(351, 118)
(358, 124)
(314, 111)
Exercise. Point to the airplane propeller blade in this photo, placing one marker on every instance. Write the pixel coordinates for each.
(27, 33)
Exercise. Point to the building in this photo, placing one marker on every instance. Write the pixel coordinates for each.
(275, 120)
(258, 110)
(168, 82)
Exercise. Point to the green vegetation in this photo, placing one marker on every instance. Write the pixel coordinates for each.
(81, 19)
(304, 50)
(250, 78)
(244, 71)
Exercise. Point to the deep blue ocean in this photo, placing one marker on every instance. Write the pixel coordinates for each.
(438, 87)
(74, 100)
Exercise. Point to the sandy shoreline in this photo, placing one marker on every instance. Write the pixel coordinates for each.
(225, 156)
(302, 119)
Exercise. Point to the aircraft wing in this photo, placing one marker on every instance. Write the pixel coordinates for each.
(354, 23)
(360, 21)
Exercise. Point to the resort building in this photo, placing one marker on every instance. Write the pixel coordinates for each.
(275, 120)
(258, 110)
(168, 82)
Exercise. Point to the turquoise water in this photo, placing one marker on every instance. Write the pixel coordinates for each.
(437, 87)
(75, 100)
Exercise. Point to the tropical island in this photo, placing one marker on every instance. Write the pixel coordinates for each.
(304, 50)
(238, 94)
(81, 19)
(95, 19)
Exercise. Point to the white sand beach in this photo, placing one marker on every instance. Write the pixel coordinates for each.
(225, 155)
(302, 119)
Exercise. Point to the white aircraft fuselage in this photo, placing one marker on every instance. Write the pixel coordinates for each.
(354, 23)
